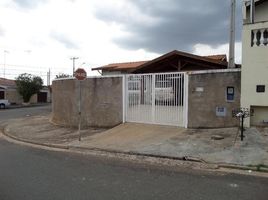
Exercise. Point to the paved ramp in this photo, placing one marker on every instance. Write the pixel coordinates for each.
(130, 136)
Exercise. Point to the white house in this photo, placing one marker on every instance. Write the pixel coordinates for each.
(254, 83)
(8, 90)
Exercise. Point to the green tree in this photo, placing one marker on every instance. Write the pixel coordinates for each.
(28, 85)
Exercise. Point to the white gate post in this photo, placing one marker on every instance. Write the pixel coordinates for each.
(185, 100)
(124, 97)
(153, 98)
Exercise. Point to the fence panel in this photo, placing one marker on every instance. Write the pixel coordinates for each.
(155, 98)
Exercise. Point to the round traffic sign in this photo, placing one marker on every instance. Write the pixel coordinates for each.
(80, 74)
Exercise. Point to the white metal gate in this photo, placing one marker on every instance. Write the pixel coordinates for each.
(156, 98)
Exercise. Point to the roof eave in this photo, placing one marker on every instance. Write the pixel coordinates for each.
(176, 52)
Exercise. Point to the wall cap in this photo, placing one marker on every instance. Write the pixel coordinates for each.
(88, 77)
(213, 71)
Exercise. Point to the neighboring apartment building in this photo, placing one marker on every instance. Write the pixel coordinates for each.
(254, 83)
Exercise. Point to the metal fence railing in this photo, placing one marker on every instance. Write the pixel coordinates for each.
(156, 98)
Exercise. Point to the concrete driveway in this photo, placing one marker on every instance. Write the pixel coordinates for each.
(131, 136)
(179, 142)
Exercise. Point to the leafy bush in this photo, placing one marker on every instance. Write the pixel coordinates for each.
(28, 85)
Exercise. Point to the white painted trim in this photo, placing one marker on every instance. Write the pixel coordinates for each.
(61, 79)
(213, 71)
(185, 101)
(89, 77)
(126, 98)
(107, 76)
(157, 73)
(2, 86)
(192, 72)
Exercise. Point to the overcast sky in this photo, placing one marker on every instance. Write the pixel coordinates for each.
(36, 35)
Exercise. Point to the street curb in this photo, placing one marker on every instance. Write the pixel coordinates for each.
(28, 106)
(59, 146)
(241, 167)
(184, 158)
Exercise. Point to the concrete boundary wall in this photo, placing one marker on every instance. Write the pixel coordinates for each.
(208, 106)
(103, 101)
(101, 105)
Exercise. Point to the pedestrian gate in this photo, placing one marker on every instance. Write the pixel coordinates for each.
(156, 98)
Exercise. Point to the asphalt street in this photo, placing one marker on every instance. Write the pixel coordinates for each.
(6, 114)
(30, 173)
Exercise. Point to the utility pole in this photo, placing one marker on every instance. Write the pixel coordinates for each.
(74, 58)
(5, 52)
(48, 77)
(231, 63)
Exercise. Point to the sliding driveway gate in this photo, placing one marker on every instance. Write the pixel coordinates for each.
(156, 98)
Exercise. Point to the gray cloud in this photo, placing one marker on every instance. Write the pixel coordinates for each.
(28, 3)
(63, 39)
(180, 24)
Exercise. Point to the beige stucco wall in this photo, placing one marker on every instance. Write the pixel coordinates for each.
(208, 91)
(13, 96)
(101, 102)
(111, 73)
(260, 116)
(33, 99)
(254, 65)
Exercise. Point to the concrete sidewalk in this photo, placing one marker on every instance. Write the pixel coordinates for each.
(155, 140)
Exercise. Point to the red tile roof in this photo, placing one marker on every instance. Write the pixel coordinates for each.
(7, 82)
(217, 59)
(221, 57)
(121, 66)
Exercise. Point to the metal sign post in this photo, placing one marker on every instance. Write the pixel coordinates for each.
(79, 112)
(241, 114)
(80, 75)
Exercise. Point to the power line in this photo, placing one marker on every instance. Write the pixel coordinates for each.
(8, 74)
(28, 67)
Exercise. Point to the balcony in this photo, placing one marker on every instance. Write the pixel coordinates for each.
(259, 37)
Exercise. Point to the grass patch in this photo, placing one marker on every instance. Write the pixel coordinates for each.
(259, 166)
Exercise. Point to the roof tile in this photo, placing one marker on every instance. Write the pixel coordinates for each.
(7, 82)
(218, 59)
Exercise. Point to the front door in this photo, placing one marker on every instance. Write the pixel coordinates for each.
(42, 97)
